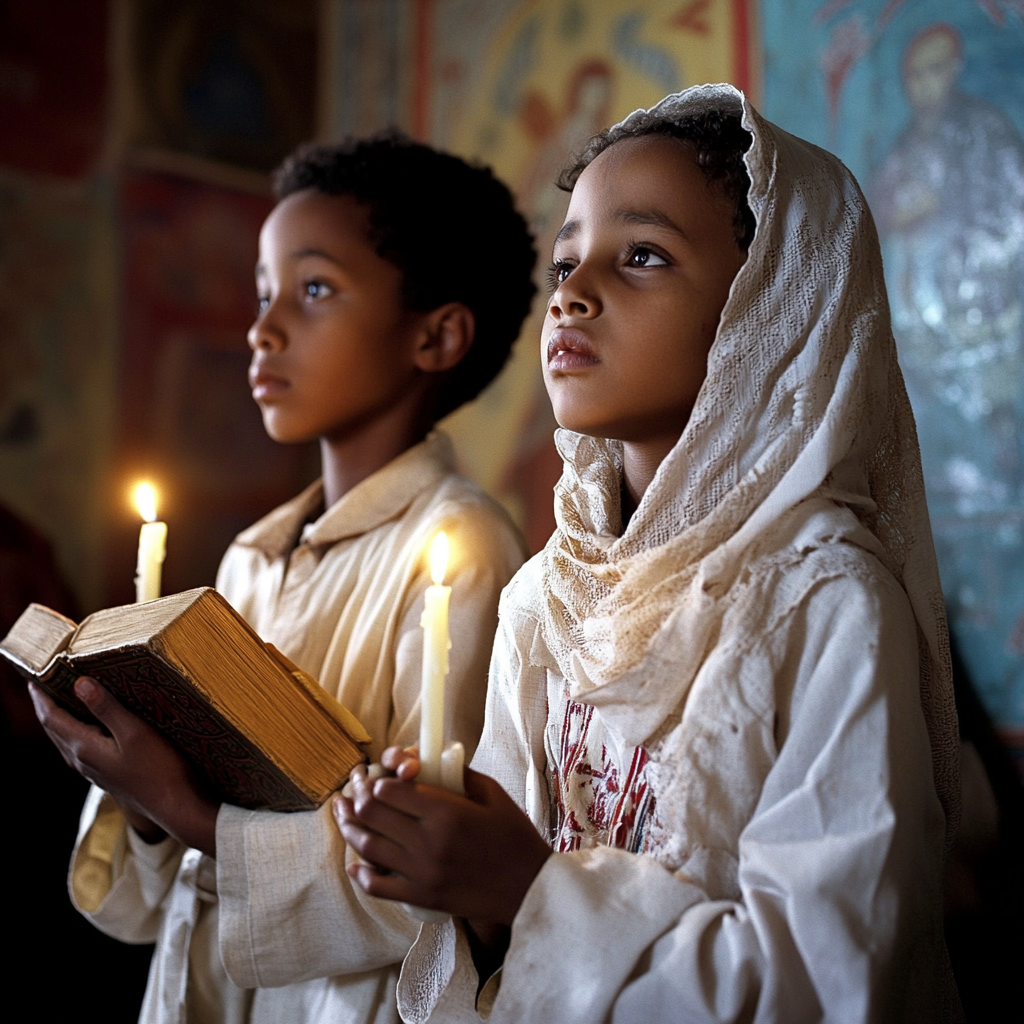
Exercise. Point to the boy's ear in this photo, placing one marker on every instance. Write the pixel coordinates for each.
(447, 336)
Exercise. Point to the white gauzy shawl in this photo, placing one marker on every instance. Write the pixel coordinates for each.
(803, 399)
(797, 474)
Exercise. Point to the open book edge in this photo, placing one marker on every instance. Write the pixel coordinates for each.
(56, 633)
(50, 648)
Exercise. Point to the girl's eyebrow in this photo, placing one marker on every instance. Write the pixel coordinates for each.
(657, 218)
(654, 217)
(569, 228)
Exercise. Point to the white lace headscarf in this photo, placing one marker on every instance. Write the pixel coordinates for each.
(803, 398)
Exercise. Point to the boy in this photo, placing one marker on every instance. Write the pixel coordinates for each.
(374, 321)
(725, 755)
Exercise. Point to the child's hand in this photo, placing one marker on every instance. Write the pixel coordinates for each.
(147, 775)
(396, 761)
(473, 856)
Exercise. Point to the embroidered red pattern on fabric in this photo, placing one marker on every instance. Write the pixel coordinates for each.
(617, 810)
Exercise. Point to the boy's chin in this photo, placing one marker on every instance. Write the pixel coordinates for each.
(285, 433)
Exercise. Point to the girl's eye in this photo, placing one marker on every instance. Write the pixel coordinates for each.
(316, 290)
(262, 302)
(643, 257)
(557, 273)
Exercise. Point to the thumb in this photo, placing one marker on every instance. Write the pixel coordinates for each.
(103, 705)
(480, 788)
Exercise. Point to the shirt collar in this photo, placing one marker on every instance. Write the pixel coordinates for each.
(379, 498)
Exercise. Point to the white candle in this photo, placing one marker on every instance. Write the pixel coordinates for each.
(436, 642)
(440, 764)
(152, 545)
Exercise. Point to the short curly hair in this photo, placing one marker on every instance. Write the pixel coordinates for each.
(450, 227)
(715, 138)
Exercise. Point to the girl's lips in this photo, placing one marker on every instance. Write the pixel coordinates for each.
(266, 386)
(569, 349)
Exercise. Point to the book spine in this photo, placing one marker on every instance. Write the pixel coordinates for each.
(237, 770)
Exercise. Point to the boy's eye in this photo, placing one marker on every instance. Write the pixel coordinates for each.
(644, 257)
(316, 290)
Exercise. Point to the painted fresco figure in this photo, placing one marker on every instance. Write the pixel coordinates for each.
(585, 113)
(949, 203)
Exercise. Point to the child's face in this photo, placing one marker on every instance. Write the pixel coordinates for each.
(333, 346)
(642, 269)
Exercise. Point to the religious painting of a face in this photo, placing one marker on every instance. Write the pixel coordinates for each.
(926, 104)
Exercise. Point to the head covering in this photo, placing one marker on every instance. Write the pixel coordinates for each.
(803, 401)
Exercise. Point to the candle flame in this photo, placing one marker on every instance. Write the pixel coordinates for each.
(439, 557)
(144, 497)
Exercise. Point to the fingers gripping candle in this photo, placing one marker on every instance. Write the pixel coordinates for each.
(152, 545)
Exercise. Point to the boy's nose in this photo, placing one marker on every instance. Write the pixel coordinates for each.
(264, 335)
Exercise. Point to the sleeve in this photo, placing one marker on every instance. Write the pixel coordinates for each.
(118, 882)
(288, 910)
(839, 917)
(280, 926)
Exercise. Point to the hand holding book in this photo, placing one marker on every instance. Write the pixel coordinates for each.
(151, 780)
(257, 728)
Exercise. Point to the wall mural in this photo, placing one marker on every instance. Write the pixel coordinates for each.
(925, 102)
(57, 356)
(53, 86)
(520, 85)
(57, 297)
(223, 79)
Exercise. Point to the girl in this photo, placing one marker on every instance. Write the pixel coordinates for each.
(720, 698)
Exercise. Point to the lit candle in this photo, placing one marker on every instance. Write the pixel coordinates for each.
(436, 642)
(152, 545)
(440, 764)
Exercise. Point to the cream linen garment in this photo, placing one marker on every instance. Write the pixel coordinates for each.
(733, 719)
(801, 877)
(273, 931)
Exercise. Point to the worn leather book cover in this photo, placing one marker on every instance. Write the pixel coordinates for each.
(262, 732)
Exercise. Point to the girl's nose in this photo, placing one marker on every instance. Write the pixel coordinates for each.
(574, 297)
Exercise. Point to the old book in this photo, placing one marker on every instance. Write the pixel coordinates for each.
(263, 732)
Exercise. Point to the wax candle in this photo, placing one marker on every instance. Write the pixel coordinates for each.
(152, 545)
(440, 763)
(436, 643)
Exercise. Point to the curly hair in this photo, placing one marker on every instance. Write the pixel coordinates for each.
(717, 141)
(450, 227)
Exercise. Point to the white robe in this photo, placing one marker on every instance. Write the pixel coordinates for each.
(801, 880)
(274, 930)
